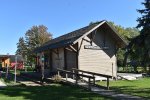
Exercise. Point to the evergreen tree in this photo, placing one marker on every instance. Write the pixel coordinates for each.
(144, 24)
(21, 47)
(140, 45)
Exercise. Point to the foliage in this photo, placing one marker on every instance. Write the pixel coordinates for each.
(135, 87)
(56, 78)
(21, 48)
(34, 37)
(139, 46)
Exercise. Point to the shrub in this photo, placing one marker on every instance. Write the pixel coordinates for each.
(56, 78)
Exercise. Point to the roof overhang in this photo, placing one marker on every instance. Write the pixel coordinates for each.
(115, 35)
(64, 43)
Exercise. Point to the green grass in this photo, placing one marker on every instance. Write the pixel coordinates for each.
(17, 91)
(139, 87)
(51, 92)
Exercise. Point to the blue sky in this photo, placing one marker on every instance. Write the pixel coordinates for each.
(60, 16)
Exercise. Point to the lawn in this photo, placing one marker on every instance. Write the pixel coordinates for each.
(139, 87)
(51, 92)
(17, 91)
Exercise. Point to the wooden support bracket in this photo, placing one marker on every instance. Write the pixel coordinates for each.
(73, 48)
(86, 40)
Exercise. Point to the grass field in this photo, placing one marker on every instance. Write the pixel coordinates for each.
(52, 92)
(139, 87)
(16, 91)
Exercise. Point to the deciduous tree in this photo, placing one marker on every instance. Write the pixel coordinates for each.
(34, 37)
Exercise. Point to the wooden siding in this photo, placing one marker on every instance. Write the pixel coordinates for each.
(58, 58)
(71, 60)
(98, 61)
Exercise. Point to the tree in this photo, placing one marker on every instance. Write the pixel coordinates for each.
(21, 47)
(144, 23)
(140, 45)
(34, 37)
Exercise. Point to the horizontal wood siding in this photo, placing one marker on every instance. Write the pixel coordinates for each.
(99, 61)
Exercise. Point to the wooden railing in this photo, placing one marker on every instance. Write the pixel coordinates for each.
(76, 76)
(93, 74)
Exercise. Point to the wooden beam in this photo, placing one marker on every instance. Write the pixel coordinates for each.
(73, 48)
(80, 45)
(56, 52)
(51, 61)
(65, 59)
(77, 56)
(86, 40)
(68, 49)
(92, 73)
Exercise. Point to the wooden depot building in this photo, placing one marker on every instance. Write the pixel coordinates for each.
(92, 48)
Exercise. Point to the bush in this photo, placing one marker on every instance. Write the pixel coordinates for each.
(56, 78)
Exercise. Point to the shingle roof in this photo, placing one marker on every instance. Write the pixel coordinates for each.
(71, 37)
(66, 39)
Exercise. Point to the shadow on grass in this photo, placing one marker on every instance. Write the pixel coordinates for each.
(52, 92)
(141, 92)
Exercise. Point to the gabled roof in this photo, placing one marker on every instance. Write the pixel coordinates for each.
(74, 36)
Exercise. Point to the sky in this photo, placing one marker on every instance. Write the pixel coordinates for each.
(60, 16)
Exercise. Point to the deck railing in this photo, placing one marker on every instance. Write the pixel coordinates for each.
(76, 76)
(92, 74)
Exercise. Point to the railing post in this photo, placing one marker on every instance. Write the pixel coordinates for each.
(112, 71)
(76, 78)
(66, 76)
(89, 83)
(73, 74)
(108, 83)
(93, 80)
